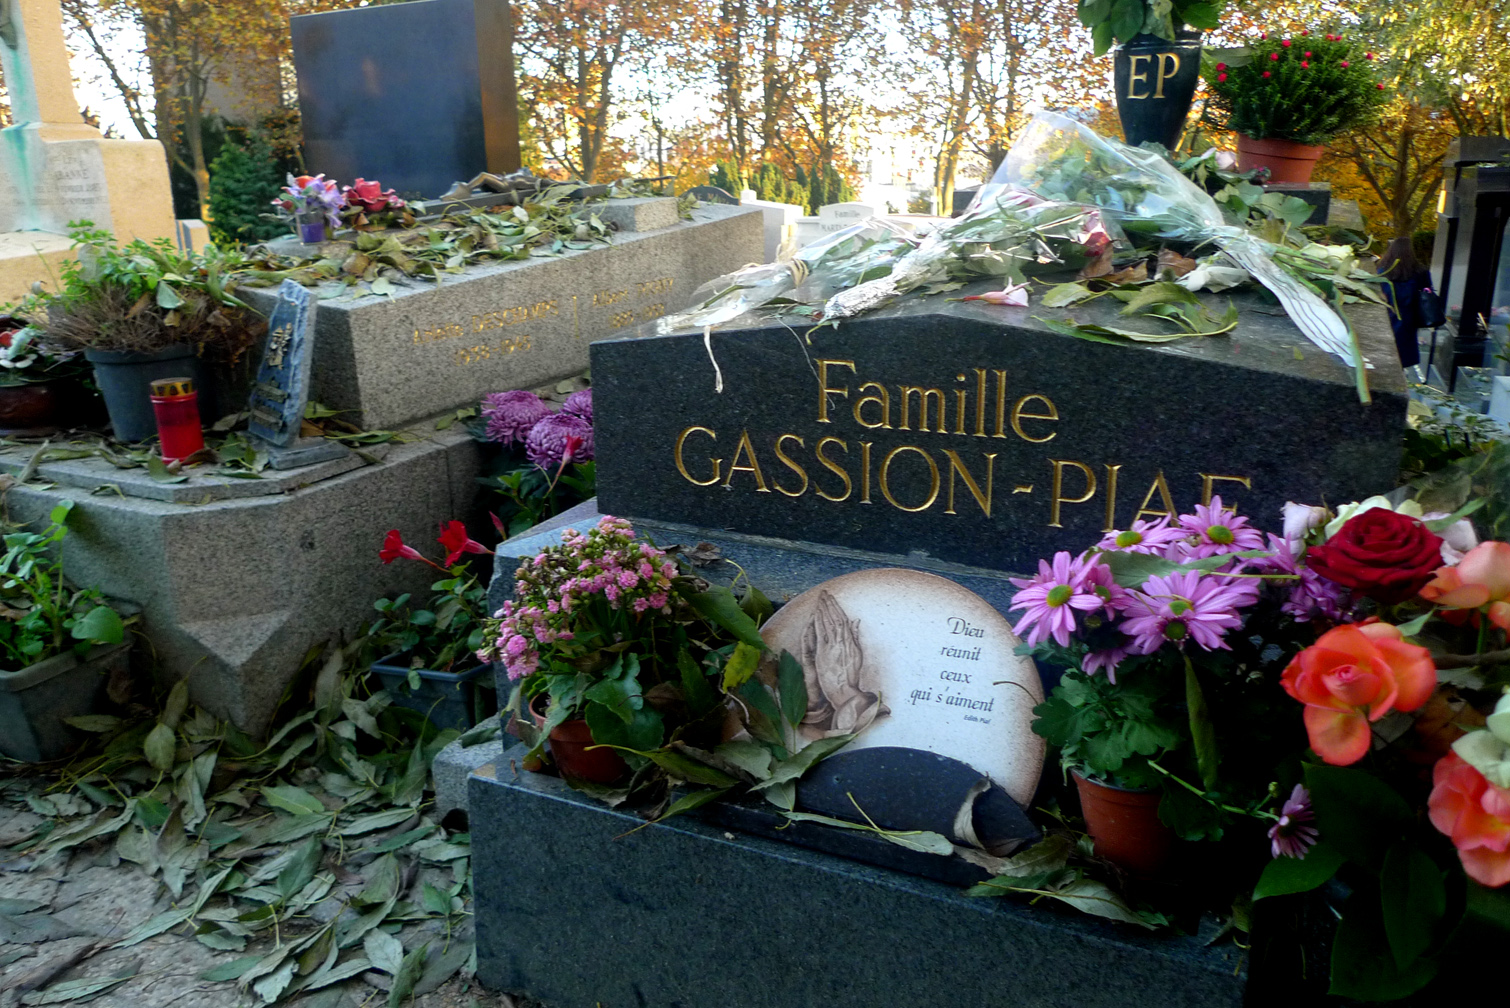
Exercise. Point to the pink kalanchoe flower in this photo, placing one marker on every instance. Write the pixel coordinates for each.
(1185, 606)
(1294, 835)
(1013, 294)
(1050, 600)
(1221, 78)
(1217, 531)
(1144, 537)
(510, 415)
(546, 443)
(1343, 64)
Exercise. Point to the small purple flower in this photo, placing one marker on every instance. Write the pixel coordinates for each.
(1293, 835)
(579, 404)
(1051, 599)
(1217, 531)
(546, 443)
(1185, 606)
(1311, 595)
(1144, 537)
(511, 415)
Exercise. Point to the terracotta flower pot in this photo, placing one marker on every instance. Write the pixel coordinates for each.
(1286, 160)
(1125, 826)
(568, 745)
(34, 406)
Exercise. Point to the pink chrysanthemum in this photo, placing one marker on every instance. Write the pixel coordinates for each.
(546, 443)
(1106, 660)
(1185, 606)
(1050, 600)
(1144, 537)
(1294, 835)
(1217, 530)
(511, 415)
(579, 404)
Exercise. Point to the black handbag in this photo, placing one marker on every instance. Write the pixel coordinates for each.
(1430, 308)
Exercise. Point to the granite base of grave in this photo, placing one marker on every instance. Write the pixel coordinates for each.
(237, 579)
(578, 908)
(391, 359)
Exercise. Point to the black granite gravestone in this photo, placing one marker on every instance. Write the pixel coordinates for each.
(972, 434)
(416, 95)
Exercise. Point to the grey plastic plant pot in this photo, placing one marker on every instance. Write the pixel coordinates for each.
(448, 699)
(125, 380)
(34, 701)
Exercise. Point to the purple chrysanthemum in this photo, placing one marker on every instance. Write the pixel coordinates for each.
(1294, 835)
(579, 404)
(1216, 531)
(1144, 537)
(1185, 606)
(1050, 600)
(546, 443)
(1311, 595)
(510, 415)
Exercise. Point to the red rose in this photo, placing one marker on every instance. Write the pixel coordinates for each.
(1383, 554)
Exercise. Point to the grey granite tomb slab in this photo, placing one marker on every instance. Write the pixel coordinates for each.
(429, 348)
(1029, 441)
(578, 908)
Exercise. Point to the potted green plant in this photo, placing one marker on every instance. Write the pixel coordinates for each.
(58, 644)
(1286, 97)
(1157, 60)
(34, 378)
(614, 652)
(145, 311)
(429, 656)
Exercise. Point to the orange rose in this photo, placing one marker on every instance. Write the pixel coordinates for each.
(1354, 675)
(1481, 579)
(1476, 815)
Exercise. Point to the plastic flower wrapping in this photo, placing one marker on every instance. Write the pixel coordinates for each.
(1064, 196)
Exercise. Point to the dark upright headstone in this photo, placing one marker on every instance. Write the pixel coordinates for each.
(970, 433)
(415, 95)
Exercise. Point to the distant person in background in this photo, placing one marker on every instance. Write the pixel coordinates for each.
(1408, 280)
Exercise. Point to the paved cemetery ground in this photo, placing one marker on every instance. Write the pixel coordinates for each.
(78, 921)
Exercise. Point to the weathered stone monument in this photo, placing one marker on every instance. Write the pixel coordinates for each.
(54, 168)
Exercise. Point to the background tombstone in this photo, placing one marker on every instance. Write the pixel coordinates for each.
(833, 217)
(55, 168)
(281, 390)
(712, 194)
(416, 95)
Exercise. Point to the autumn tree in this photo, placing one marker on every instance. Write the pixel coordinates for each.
(975, 67)
(574, 57)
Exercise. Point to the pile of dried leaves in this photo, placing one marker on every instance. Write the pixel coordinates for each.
(311, 858)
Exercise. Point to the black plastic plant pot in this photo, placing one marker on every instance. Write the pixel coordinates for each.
(448, 699)
(1156, 81)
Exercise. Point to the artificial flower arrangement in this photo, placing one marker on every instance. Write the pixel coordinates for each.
(1190, 644)
(26, 356)
(370, 207)
(556, 471)
(1307, 88)
(311, 200)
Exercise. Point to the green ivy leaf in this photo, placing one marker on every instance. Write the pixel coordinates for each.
(793, 688)
(718, 606)
(1285, 875)
(1358, 814)
(1414, 901)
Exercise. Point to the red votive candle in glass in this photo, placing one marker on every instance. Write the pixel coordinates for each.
(176, 406)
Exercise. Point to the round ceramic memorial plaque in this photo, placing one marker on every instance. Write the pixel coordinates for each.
(915, 661)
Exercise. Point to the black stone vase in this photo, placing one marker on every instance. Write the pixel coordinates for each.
(1155, 80)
